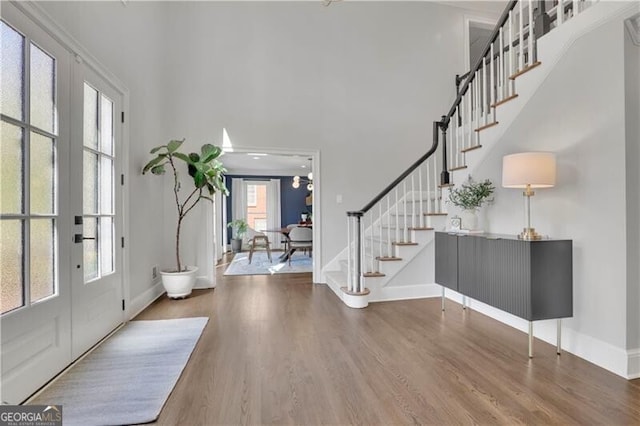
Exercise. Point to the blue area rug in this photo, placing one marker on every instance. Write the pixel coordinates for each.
(260, 264)
(127, 379)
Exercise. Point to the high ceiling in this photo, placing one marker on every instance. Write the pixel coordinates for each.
(258, 163)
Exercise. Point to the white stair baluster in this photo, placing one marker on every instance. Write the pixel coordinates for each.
(502, 94)
(521, 31)
(388, 226)
(477, 106)
(377, 269)
(492, 83)
(469, 124)
(560, 13)
(420, 197)
(397, 217)
(484, 91)
(436, 184)
(372, 254)
(349, 256)
(510, 69)
(413, 200)
(530, 55)
(404, 208)
(428, 173)
(456, 151)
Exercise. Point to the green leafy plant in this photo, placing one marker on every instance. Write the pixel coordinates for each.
(206, 172)
(472, 195)
(240, 226)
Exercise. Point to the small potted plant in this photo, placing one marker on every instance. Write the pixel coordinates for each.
(240, 227)
(470, 197)
(206, 173)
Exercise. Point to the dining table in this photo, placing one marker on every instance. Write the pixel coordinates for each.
(285, 232)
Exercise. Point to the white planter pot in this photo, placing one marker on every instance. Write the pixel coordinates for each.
(469, 220)
(179, 284)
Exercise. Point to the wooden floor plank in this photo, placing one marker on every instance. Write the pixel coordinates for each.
(281, 350)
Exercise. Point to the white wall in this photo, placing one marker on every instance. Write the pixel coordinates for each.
(632, 121)
(126, 41)
(361, 82)
(579, 113)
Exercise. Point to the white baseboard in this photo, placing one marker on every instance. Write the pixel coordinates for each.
(145, 299)
(420, 291)
(596, 351)
(633, 364)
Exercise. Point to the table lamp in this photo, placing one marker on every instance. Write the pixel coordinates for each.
(529, 170)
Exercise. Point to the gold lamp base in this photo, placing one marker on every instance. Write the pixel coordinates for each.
(529, 234)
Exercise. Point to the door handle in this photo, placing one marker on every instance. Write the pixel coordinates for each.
(78, 238)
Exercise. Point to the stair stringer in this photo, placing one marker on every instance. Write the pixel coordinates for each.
(551, 48)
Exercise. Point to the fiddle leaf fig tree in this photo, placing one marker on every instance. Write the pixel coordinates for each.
(206, 176)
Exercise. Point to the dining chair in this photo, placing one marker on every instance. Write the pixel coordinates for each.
(259, 241)
(300, 238)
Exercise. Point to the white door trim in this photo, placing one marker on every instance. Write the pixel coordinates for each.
(468, 19)
(317, 198)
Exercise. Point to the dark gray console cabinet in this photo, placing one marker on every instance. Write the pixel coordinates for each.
(530, 279)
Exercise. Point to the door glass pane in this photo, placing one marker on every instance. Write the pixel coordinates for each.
(42, 89)
(11, 169)
(42, 174)
(12, 72)
(106, 245)
(106, 125)
(42, 258)
(106, 186)
(11, 267)
(90, 183)
(90, 248)
(90, 122)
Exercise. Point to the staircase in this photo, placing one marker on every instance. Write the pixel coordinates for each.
(394, 233)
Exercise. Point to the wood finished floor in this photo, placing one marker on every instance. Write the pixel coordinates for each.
(280, 350)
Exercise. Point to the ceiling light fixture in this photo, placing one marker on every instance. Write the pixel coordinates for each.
(297, 180)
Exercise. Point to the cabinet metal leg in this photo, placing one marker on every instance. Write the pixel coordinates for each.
(443, 299)
(559, 337)
(530, 339)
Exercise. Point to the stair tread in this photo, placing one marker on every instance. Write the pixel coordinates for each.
(524, 70)
(453, 169)
(471, 148)
(436, 214)
(446, 185)
(403, 243)
(505, 100)
(486, 126)
(388, 259)
(373, 275)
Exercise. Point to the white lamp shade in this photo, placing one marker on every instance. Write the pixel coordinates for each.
(537, 169)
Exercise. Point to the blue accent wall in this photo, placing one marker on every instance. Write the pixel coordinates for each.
(292, 201)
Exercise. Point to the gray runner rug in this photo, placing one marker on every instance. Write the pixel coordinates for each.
(128, 378)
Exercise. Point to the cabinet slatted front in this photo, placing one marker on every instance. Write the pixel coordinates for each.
(530, 279)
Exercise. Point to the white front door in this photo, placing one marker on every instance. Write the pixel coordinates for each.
(97, 303)
(60, 207)
(35, 231)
